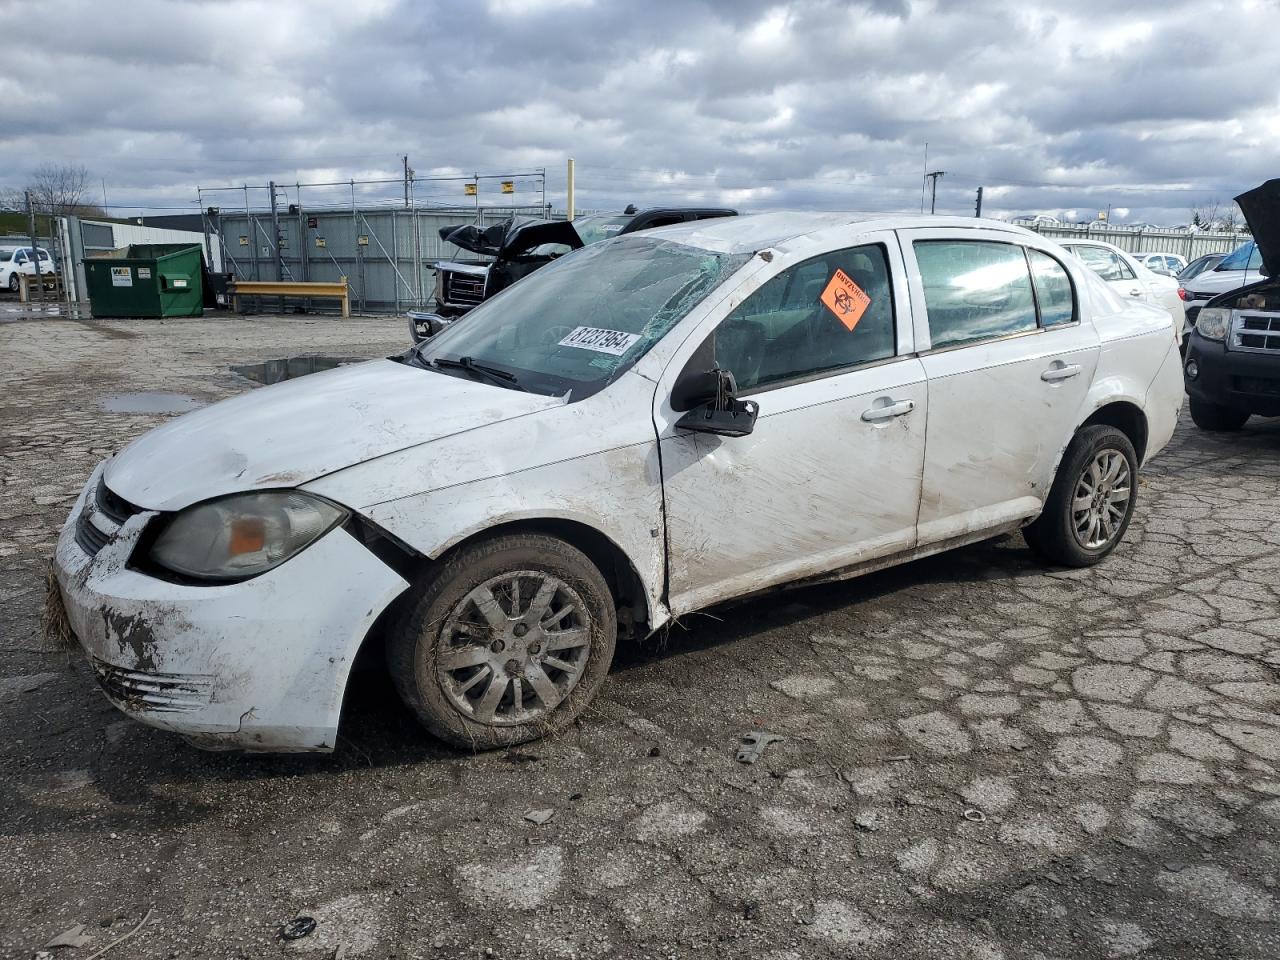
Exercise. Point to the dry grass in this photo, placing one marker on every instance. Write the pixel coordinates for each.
(54, 624)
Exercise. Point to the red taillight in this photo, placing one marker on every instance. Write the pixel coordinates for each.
(1182, 294)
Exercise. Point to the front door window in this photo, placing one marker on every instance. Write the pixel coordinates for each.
(829, 313)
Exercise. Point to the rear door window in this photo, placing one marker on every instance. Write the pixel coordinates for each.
(975, 290)
(1055, 297)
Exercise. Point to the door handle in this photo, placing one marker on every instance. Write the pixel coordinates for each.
(894, 408)
(1054, 374)
(1135, 292)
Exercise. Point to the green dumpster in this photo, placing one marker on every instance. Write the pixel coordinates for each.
(146, 280)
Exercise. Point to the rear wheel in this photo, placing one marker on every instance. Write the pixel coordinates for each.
(1213, 416)
(13, 282)
(1091, 501)
(507, 642)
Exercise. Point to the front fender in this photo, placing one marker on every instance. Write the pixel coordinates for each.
(617, 493)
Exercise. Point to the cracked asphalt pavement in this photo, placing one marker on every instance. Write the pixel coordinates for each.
(981, 757)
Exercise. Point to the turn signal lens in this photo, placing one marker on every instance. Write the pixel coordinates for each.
(248, 535)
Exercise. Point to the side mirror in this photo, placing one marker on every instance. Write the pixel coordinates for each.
(723, 414)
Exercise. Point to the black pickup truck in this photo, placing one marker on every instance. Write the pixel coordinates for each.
(517, 247)
(1232, 366)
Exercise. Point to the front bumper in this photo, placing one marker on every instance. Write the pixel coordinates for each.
(260, 665)
(1248, 382)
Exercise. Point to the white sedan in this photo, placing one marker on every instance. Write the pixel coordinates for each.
(1131, 279)
(648, 426)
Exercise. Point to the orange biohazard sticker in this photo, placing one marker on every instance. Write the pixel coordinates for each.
(845, 299)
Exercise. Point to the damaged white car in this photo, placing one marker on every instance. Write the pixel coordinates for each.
(650, 425)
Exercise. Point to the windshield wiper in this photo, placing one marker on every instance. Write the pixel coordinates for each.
(501, 377)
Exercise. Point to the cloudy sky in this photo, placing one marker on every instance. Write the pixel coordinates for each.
(1054, 107)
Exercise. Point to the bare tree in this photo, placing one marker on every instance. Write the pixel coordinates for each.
(1215, 215)
(59, 190)
(1205, 215)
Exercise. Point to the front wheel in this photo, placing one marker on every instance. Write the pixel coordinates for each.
(1091, 501)
(13, 283)
(1215, 417)
(507, 642)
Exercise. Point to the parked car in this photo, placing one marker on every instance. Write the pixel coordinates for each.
(1198, 266)
(1166, 264)
(650, 425)
(15, 260)
(517, 247)
(1240, 267)
(1232, 367)
(1129, 278)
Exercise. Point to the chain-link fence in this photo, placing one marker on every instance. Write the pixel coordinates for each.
(384, 245)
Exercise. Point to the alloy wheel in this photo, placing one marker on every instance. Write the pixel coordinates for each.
(513, 648)
(1101, 499)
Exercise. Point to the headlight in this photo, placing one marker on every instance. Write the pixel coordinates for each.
(1212, 323)
(243, 535)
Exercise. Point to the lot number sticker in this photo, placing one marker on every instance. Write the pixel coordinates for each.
(122, 276)
(845, 299)
(613, 342)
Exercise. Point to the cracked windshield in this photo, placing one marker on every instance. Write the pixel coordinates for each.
(574, 325)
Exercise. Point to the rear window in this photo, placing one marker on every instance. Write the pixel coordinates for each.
(1244, 257)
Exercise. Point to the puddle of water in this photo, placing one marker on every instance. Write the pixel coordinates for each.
(157, 402)
(289, 368)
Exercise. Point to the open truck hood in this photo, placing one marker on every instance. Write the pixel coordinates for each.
(1261, 209)
(510, 238)
(299, 430)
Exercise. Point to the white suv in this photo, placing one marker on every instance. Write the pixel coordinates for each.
(15, 260)
(645, 427)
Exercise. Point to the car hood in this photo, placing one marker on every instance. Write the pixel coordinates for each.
(1214, 282)
(299, 430)
(510, 238)
(1261, 209)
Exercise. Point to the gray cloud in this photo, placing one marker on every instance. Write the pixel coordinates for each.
(804, 104)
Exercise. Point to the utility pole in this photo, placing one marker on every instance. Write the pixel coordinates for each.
(977, 211)
(933, 187)
(35, 248)
(924, 171)
(408, 175)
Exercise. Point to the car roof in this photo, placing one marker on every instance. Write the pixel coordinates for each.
(760, 231)
(1082, 242)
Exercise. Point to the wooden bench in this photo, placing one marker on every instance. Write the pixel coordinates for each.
(291, 288)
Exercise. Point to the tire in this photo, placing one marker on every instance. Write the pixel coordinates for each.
(457, 642)
(13, 282)
(1072, 536)
(1212, 416)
